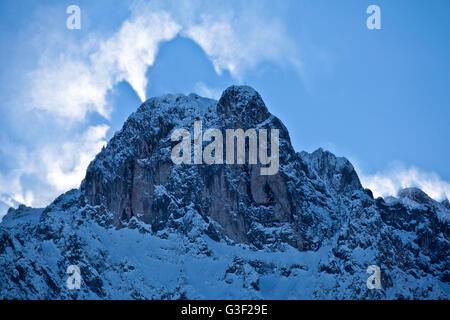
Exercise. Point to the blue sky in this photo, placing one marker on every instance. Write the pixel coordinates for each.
(378, 97)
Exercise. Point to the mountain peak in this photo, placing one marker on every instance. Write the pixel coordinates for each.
(135, 177)
(240, 92)
(243, 102)
(414, 194)
(337, 172)
(170, 101)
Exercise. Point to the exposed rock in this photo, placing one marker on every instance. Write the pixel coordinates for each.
(414, 194)
(141, 227)
(446, 204)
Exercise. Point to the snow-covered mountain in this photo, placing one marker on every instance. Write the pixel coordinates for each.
(141, 227)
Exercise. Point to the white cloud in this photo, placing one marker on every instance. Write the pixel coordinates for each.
(69, 89)
(11, 185)
(55, 168)
(389, 182)
(15, 192)
(72, 83)
(203, 90)
(128, 54)
(8, 200)
(236, 35)
(240, 43)
(77, 82)
(65, 165)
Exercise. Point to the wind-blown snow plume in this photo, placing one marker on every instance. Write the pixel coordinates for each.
(78, 82)
(237, 46)
(66, 166)
(71, 84)
(54, 168)
(389, 182)
(203, 90)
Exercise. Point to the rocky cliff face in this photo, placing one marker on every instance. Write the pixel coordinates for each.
(134, 175)
(141, 227)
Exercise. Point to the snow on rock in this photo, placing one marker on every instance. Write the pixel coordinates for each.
(141, 227)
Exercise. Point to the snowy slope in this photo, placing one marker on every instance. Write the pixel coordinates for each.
(143, 228)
